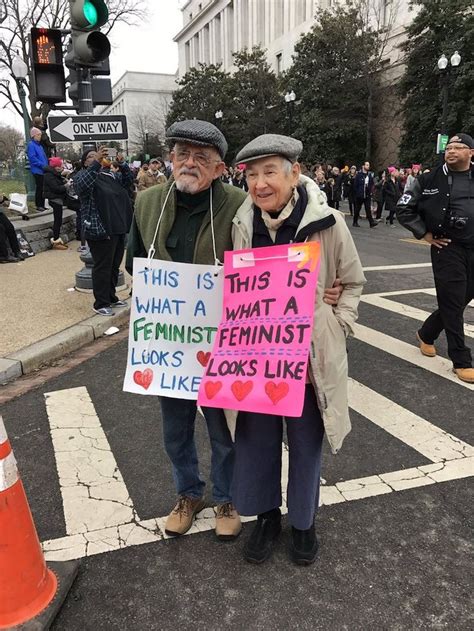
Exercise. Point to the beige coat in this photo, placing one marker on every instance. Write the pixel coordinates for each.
(328, 355)
(148, 178)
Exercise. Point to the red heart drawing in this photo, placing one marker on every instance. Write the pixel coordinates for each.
(275, 391)
(241, 389)
(203, 358)
(212, 388)
(144, 378)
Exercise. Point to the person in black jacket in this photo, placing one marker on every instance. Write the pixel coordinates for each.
(439, 208)
(391, 193)
(55, 191)
(107, 212)
(363, 188)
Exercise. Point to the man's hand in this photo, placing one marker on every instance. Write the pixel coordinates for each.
(332, 294)
(438, 243)
(119, 157)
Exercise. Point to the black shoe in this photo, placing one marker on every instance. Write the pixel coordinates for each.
(374, 224)
(303, 546)
(9, 259)
(355, 225)
(259, 546)
(19, 256)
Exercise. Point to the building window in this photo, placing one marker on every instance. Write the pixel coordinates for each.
(279, 12)
(261, 23)
(245, 23)
(279, 63)
(206, 52)
(218, 39)
(300, 11)
(187, 56)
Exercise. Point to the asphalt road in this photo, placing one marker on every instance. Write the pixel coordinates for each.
(395, 529)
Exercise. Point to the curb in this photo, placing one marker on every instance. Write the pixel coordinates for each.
(39, 354)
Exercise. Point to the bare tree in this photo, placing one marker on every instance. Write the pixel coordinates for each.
(148, 127)
(10, 141)
(22, 15)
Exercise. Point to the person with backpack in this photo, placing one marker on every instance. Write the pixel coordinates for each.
(106, 213)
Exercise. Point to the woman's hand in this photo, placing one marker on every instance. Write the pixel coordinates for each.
(332, 294)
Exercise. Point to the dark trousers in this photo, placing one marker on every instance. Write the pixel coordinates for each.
(107, 255)
(392, 210)
(256, 486)
(179, 418)
(453, 271)
(380, 205)
(358, 205)
(7, 236)
(39, 197)
(351, 200)
(58, 218)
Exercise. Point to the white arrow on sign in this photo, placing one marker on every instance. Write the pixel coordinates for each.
(65, 129)
(71, 129)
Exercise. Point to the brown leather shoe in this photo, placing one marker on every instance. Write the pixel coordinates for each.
(428, 350)
(228, 524)
(465, 374)
(181, 518)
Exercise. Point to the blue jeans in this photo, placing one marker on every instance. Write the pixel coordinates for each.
(179, 417)
(258, 449)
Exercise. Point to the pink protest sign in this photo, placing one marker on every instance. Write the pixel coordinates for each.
(260, 354)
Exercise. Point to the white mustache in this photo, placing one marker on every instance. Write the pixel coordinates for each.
(186, 171)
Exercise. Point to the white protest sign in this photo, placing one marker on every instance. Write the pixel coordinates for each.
(175, 312)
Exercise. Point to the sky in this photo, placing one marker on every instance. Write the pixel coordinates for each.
(148, 47)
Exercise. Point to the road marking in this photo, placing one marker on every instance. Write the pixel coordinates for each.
(383, 268)
(416, 241)
(93, 490)
(430, 441)
(411, 312)
(436, 365)
(72, 415)
(431, 291)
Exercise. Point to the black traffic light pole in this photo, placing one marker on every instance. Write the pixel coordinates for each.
(86, 105)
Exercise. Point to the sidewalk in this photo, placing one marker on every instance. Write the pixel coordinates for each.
(41, 319)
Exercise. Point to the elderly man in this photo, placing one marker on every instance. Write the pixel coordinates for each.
(439, 208)
(185, 236)
(192, 195)
(152, 176)
(285, 207)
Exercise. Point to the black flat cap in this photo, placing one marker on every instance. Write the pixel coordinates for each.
(270, 145)
(198, 132)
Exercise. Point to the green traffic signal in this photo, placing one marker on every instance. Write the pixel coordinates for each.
(90, 13)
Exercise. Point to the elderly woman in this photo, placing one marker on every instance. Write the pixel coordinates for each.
(283, 207)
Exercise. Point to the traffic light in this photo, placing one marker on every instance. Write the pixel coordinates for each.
(90, 47)
(72, 78)
(47, 64)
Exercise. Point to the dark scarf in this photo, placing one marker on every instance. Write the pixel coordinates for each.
(286, 233)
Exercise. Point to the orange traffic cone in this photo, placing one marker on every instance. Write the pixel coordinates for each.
(28, 588)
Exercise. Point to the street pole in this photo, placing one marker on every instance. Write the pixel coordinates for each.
(445, 90)
(27, 175)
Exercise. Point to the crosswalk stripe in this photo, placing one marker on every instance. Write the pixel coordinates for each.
(416, 432)
(407, 310)
(385, 268)
(436, 365)
(93, 491)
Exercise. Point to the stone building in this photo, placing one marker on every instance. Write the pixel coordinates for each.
(144, 98)
(212, 29)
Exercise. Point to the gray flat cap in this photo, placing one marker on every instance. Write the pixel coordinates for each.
(198, 132)
(270, 145)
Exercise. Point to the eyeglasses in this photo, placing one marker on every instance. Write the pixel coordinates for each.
(183, 156)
